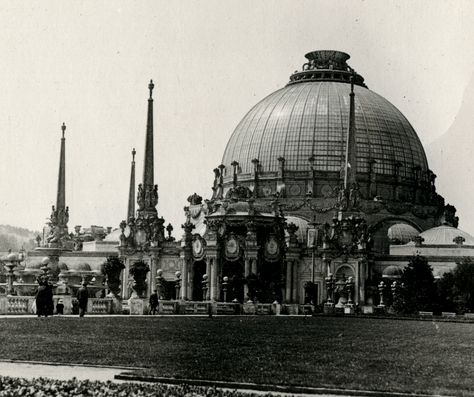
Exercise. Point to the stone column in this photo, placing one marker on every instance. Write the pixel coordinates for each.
(184, 287)
(246, 274)
(213, 279)
(152, 274)
(125, 275)
(361, 279)
(208, 272)
(289, 271)
(294, 295)
(253, 262)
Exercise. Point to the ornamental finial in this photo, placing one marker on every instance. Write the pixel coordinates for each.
(63, 128)
(134, 152)
(150, 87)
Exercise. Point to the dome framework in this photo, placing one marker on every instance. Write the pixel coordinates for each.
(303, 128)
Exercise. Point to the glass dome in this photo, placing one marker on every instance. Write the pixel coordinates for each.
(309, 118)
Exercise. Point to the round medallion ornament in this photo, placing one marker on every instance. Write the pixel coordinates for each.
(294, 190)
(326, 191)
(272, 249)
(232, 248)
(198, 249)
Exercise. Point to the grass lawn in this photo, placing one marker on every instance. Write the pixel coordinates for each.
(391, 355)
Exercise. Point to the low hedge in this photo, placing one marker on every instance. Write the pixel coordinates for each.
(45, 387)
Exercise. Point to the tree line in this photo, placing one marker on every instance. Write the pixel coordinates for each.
(418, 289)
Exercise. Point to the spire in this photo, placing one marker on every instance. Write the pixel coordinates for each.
(131, 194)
(147, 197)
(148, 175)
(350, 166)
(61, 196)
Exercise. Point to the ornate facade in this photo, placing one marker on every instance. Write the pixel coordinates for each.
(311, 181)
(316, 182)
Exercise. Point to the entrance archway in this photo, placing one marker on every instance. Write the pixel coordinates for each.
(199, 270)
(235, 272)
(269, 282)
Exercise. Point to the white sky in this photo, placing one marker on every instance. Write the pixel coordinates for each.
(88, 63)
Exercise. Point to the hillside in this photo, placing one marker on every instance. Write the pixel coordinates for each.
(451, 158)
(14, 238)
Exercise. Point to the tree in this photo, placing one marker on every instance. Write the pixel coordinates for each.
(463, 291)
(456, 288)
(447, 300)
(420, 286)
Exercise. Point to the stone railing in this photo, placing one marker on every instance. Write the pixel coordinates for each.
(100, 306)
(20, 305)
(227, 308)
(27, 305)
(195, 308)
(10, 304)
(168, 307)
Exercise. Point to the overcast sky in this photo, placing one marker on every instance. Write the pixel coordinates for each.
(88, 64)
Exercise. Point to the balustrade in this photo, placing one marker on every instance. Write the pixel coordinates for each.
(18, 304)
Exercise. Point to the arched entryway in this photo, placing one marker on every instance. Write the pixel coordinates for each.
(199, 270)
(236, 281)
(269, 282)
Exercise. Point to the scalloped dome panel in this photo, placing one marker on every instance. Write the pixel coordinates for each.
(311, 119)
(444, 235)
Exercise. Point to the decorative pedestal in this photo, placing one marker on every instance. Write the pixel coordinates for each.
(379, 310)
(276, 308)
(329, 308)
(349, 309)
(367, 309)
(117, 307)
(3, 304)
(137, 306)
(249, 308)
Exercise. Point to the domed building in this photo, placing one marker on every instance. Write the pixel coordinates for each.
(315, 183)
(443, 246)
(324, 190)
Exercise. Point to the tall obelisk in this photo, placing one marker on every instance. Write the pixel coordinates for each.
(60, 213)
(61, 195)
(148, 168)
(147, 197)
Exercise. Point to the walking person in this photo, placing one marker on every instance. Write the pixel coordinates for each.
(82, 297)
(154, 302)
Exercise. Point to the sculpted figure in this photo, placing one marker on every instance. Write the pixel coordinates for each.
(354, 195)
(148, 197)
(155, 196)
(140, 197)
(53, 215)
(342, 198)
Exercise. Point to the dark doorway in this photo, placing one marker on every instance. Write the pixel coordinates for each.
(199, 270)
(235, 289)
(311, 293)
(269, 282)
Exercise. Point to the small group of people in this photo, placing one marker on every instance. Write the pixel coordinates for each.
(45, 304)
